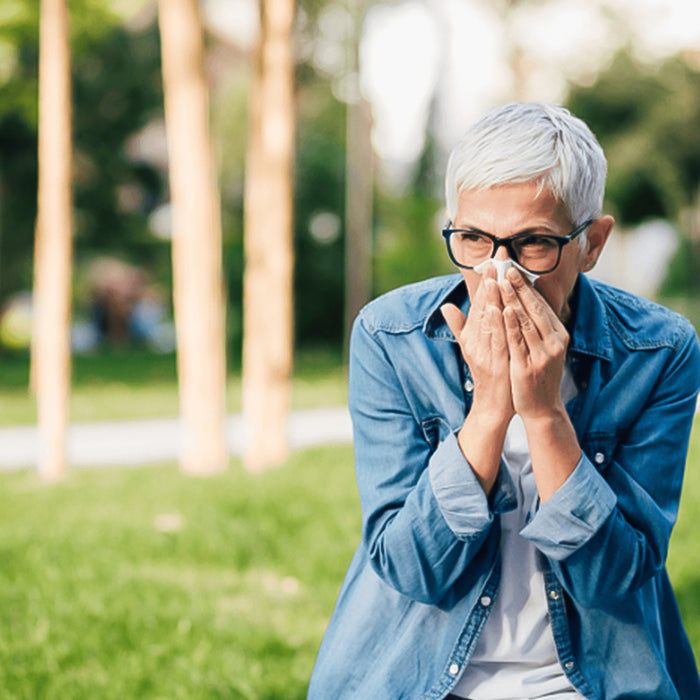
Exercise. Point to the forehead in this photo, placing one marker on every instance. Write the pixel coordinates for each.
(507, 209)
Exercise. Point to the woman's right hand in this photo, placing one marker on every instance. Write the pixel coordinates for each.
(482, 339)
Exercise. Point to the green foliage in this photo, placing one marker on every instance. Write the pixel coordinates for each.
(116, 90)
(680, 276)
(409, 245)
(646, 120)
(319, 276)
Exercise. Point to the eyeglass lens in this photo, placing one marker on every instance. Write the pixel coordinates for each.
(534, 253)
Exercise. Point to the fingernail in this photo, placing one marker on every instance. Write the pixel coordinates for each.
(513, 273)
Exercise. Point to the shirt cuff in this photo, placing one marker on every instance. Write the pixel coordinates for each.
(462, 501)
(573, 515)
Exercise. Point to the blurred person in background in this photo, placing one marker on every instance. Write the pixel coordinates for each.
(520, 440)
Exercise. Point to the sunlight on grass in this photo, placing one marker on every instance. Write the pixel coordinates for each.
(684, 556)
(146, 583)
(130, 386)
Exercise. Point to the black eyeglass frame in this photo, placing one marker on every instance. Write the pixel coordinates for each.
(507, 243)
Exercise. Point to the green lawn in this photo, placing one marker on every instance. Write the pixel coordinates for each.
(138, 384)
(684, 558)
(144, 583)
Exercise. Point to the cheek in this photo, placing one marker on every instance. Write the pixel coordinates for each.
(557, 290)
(553, 291)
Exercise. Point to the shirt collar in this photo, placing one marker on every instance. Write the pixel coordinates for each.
(435, 326)
(590, 334)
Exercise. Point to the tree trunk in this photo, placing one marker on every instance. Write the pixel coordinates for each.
(267, 295)
(53, 245)
(359, 179)
(197, 259)
(358, 211)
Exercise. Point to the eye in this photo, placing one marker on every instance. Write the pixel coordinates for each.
(535, 242)
(469, 237)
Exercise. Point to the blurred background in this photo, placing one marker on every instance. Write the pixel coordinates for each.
(145, 583)
(425, 69)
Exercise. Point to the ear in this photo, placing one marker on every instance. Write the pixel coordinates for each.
(596, 238)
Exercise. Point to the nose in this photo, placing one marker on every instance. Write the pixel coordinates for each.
(501, 253)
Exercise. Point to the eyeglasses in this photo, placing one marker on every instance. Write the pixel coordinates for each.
(537, 253)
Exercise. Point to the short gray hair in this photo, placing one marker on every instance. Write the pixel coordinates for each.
(525, 142)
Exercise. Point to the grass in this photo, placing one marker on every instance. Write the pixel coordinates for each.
(144, 583)
(684, 557)
(139, 384)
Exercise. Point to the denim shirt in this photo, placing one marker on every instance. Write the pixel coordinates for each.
(422, 582)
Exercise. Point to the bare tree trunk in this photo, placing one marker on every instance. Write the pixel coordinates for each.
(358, 211)
(197, 259)
(267, 295)
(53, 245)
(359, 179)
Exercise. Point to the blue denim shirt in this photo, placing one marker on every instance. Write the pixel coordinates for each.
(423, 580)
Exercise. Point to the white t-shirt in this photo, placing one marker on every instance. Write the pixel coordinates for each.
(515, 657)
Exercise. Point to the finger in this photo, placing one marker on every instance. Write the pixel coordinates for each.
(494, 326)
(543, 333)
(484, 289)
(531, 332)
(530, 297)
(489, 272)
(515, 287)
(454, 318)
(492, 293)
(517, 345)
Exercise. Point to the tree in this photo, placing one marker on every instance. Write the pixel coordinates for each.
(116, 90)
(267, 295)
(197, 266)
(646, 120)
(51, 338)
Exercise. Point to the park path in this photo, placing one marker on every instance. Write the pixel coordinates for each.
(139, 442)
(149, 441)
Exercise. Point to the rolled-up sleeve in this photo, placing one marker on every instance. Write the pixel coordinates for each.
(463, 503)
(419, 536)
(574, 513)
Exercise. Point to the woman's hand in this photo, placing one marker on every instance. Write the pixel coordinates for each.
(482, 339)
(537, 342)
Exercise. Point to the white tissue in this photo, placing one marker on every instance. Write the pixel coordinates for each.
(501, 267)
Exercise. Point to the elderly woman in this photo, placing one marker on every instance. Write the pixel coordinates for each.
(520, 440)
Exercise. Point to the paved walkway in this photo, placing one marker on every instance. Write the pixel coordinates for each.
(125, 443)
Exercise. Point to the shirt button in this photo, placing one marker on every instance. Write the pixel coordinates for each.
(554, 595)
(599, 458)
(454, 669)
(469, 385)
(485, 601)
(569, 665)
